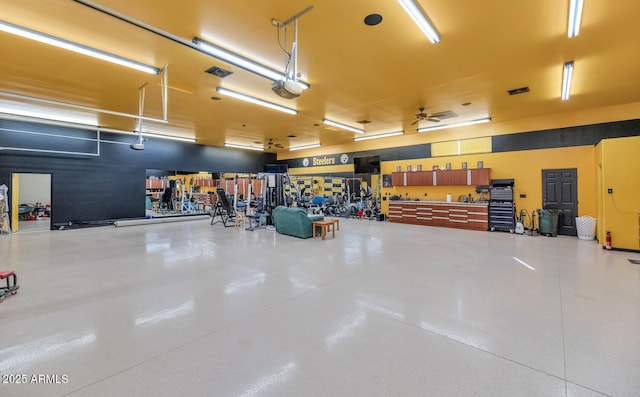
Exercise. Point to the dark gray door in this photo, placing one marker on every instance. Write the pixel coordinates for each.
(560, 191)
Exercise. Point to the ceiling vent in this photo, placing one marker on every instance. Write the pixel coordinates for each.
(218, 72)
(517, 91)
(363, 122)
(447, 114)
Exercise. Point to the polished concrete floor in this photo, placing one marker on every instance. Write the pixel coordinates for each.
(39, 225)
(190, 309)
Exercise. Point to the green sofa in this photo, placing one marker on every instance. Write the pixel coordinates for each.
(294, 221)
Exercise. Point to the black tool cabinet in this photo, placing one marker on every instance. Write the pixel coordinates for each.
(502, 210)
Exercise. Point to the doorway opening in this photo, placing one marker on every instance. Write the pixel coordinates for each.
(31, 202)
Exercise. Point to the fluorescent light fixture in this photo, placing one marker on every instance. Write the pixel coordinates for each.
(169, 137)
(364, 138)
(79, 48)
(420, 19)
(39, 112)
(69, 119)
(233, 145)
(442, 127)
(255, 100)
(305, 147)
(566, 80)
(343, 126)
(241, 62)
(575, 16)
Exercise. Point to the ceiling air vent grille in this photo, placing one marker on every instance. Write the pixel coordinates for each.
(218, 72)
(363, 122)
(447, 114)
(517, 91)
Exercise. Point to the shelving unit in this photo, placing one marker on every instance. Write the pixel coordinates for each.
(155, 187)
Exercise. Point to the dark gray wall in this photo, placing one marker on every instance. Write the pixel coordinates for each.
(563, 137)
(91, 189)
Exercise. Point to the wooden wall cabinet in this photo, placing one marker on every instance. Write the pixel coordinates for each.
(463, 177)
(397, 178)
(481, 176)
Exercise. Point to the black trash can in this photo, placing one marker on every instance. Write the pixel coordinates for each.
(548, 221)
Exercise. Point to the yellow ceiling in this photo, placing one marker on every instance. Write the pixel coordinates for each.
(380, 73)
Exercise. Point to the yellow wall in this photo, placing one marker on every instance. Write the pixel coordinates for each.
(620, 210)
(523, 166)
(15, 204)
(599, 193)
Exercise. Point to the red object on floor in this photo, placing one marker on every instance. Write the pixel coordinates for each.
(10, 288)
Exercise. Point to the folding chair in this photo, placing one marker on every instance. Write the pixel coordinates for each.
(223, 209)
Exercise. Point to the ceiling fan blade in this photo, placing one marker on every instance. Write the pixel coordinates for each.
(415, 122)
(435, 120)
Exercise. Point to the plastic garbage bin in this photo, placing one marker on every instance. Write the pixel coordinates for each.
(548, 221)
(586, 227)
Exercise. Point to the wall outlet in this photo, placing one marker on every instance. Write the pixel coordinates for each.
(523, 196)
(610, 191)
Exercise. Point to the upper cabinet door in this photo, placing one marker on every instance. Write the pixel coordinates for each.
(480, 176)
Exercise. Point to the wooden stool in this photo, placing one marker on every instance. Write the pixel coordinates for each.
(325, 225)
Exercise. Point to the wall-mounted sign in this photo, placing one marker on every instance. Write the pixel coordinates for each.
(324, 160)
(320, 161)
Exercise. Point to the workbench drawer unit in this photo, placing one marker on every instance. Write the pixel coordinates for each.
(502, 216)
(472, 216)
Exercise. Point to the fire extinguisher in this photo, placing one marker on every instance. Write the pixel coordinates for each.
(607, 244)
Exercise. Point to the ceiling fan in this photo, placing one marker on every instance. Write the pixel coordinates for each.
(435, 117)
(271, 144)
(425, 116)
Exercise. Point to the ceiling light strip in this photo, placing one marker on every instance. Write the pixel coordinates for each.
(567, 74)
(421, 19)
(233, 145)
(442, 127)
(79, 48)
(81, 126)
(343, 126)
(163, 33)
(305, 147)
(241, 61)
(385, 135)
(168, 137)
(575, 17)
(80, 107)
(255, 100)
